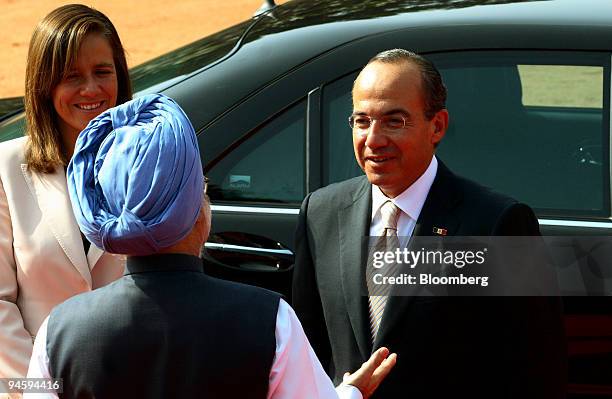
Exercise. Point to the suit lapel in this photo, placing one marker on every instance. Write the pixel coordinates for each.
(441, 200)
(52, 196)
(437, 212)
(354, 224)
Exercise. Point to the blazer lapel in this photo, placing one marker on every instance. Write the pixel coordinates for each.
(437, 212)
(441, 201)
(354, 223)
(52, 196)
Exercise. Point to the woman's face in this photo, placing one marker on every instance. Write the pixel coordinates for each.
(88, 89)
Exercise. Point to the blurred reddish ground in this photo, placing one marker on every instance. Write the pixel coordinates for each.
(147, 28)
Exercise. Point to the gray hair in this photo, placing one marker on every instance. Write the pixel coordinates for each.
(433, 87)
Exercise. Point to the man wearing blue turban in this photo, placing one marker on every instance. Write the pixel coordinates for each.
(165, 329)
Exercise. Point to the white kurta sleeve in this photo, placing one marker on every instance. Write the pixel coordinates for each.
(39, 363)
(296, 372)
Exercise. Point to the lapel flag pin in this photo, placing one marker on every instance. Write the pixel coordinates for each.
(439, 231)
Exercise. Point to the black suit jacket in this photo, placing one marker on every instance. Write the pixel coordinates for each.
(447, 346)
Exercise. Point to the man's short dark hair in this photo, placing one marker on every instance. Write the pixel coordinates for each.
(433, 87)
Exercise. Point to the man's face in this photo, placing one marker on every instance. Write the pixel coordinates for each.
(393, 160)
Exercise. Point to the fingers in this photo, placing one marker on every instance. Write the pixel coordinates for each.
(375, 360)
(372, 372)
(376, 369)
(380, 373)
(383, 369)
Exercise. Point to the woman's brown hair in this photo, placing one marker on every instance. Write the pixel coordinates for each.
(53, 50)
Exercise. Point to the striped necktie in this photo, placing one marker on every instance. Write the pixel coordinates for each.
(378, 294)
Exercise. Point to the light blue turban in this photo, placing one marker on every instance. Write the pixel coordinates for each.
(135, 179)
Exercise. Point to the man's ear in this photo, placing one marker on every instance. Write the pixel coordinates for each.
(440, 124)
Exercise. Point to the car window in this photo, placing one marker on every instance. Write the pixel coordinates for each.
(533, 125)
(549, 86)
(338, 159)
(267, 165)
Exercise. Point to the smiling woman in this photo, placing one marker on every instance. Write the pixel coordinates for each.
(76, 69)
(88, 88)
(73, 60)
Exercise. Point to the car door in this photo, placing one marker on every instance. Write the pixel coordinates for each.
(256, 187)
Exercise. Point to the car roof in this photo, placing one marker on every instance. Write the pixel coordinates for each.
(300, 31)
(300, 13)
(215, 74)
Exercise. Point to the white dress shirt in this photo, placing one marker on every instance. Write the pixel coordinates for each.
(410, 202)
(296, 372)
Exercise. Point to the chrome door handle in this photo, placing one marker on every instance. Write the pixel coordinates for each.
(283, 253)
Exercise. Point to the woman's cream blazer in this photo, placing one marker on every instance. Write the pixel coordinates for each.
(42, 258)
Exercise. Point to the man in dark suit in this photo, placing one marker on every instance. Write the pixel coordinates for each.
(458, 346)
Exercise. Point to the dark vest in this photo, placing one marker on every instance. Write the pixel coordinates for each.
(164, 330)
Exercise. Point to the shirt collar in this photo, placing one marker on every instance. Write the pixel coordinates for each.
(412, 199)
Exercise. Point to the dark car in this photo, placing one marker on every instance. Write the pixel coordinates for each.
(529, 99)
(10, 106)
